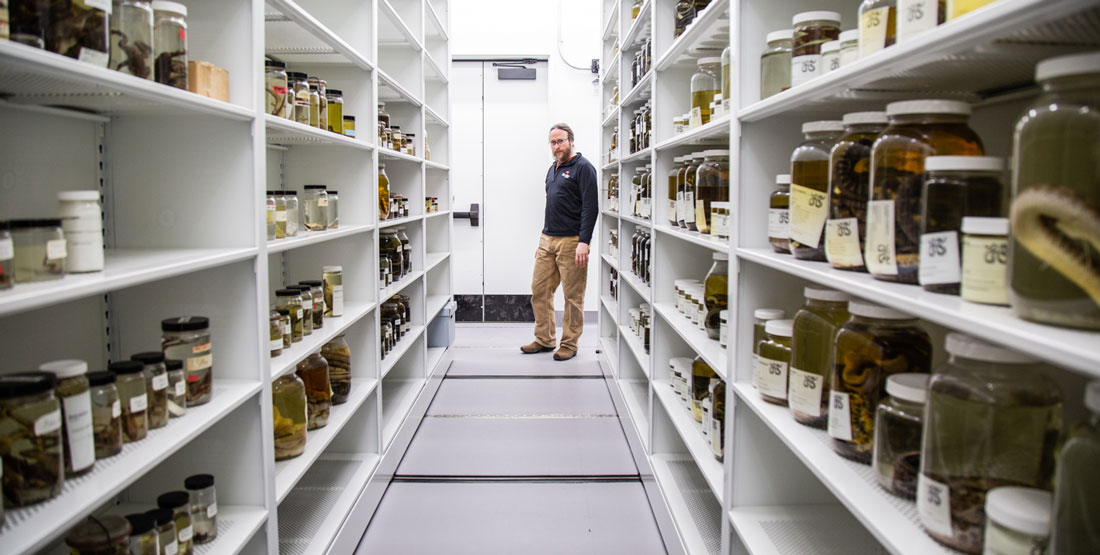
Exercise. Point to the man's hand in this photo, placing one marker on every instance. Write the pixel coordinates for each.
(582, 254)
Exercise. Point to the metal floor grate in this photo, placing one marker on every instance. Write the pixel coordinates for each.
(705, 511)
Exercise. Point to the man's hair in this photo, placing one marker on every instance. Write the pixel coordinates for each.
(564, 127)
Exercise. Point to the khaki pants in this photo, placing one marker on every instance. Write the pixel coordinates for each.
(554, 264)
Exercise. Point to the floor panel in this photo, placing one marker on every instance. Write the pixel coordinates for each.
(505, 336)
(504, 362)
(522, 397)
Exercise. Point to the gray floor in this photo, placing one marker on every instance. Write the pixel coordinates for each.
(517, 454)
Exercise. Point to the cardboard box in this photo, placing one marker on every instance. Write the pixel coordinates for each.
(208, 80)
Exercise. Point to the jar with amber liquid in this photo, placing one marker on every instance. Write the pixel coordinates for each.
(670, 215)
(705, 83)
(811, 31)
(288, 400)
(338, 354)
(812, 342)
(849, 185)
(774, 361)
(779, 215)
(383, 193)
(682, 191)
(712, 184)
(716, 291)
(810, 188)
(314, 374)
(688, 206)
(701, 376)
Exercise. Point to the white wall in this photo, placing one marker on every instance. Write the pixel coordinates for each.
(530, 27)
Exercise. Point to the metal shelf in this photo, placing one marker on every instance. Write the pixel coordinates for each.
(306, 238)
(293, 35)
(288, 360)
(281, 131)
(708, 31)
(708, 348)
(697, 445)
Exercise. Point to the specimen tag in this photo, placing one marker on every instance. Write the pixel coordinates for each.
(56, 249)
(139, 403)
(212, 510)
(804, 392)
(915, 16)
(804, 68)
(160, 382)
(934, 505)
(195, 364)
(78, 428)
(773, 378)
(984, 270)
(94, 57)
(842, 243)
(696, 117)
(872, 30)
(181, 386)
(840, 419)
(939, 258)
(719, 225)
(280, 215)
(337, 307)
(880, 256)
(185, 534)
(171, 549)
(809, 209)
(47, 423)
(7, 250)
(779, 220)
(116, 409)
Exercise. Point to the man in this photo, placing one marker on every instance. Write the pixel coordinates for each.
(572, 203)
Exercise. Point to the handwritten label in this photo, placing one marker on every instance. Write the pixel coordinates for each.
(93, 57)
(139, 403)
(842, 243)
(984, 270)
(804, 68)
(915, 17)
(773, 378)
(779, 223)
(809, 210)
(696, 117)
(203, 362)
(880, 257)
(181, 386)
(160, 382)
(56, 249)
(78, 430)
(934, 505)
(7, 250)
(804, 392)
(840, 419)
(939, 258)
(872, 30)
(116, 409)
(47, 423)
(185, 535)
(212, 510)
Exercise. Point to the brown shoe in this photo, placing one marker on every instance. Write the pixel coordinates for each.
(534, 348)
(564, 354)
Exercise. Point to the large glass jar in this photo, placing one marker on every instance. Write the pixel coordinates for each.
(166, 531)
(170, 43)
(705, 83)
(187, 338)
(7, 257)
(899, 421)
(293, 214)
(779, 215)
(132, 38)
(338, 354)
(716, 292)
(177, 388)
(775, 63)
(876, 343)
(712, 184)
(406, 251)
(333, 276)
(291, 300)
(204, 507)
(701, 375)
(335, 98)
(40, 249)
(105, 535)
(810, 188)
(76, 411)
(1076, 526)
(314, 373)
(316, 207)
(918, 129)
(849, 185)
(761, 316)
(812, 342)
(106, 414)
(877, 25)
(317, 292)
(143, 534)
(389, 246)
(276, 86)
(811, 30)
(298, 94)
(1052, 278)
(156, 387)
(30, 438)
(288, 400)
(954, 187)
(179, 502)
(80, 30)
(334, 209)
(134, 396)
(305, 300)
(774, 361)
(993, 419)
(383, 193)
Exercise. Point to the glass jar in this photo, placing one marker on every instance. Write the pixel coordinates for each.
(132, 38)
(993, 419)
(30, 445)
(811, 30)
(954, 187)
(143, 534)
(720, 219)
(170, 43)
(392, 314)
(316, 207)
(389, 246)
(717, 291)
(288, 400)
(1019, 521)
(166, 531)
(76, 413)
(270, 208)
(156, 387)
(683, 15)
(849, 47)
(293, 214)
(276, 85)
(398, 138)
(705, 83)
(812, 342)
(280, 214)
(314, 374)
(727, 72)
(204, 507)
(338, 354)
(177, 388)
(810, 188)
(688, 206)
(28, 22)
(7, 257)
(105, 535)
(1076, 528)
(773, 361)
(179, 502)
(298, 95)
(671, 210)
(288, 333)
(317, 294)
(849, 185)
(40, 249)
(80, 30)
(134, 396)
(81, 223)
(349, 126)
(406, 251)
(876, 343)
(877, 25)
(385, 272)
(305, 300)
(334, 290)
(406, 304)
(779, 214)
(1049, 282)
(291, 301)
(387, 339)
(830, 56)
(335, 110)
(275, 334)
(383, 193)
(635, 9)
(712, 183)
(918, 129)
(187, 338)
(701, 375)
(314, 105)
(899, 420)
(106, 414)
(322, 101)
(917, 16)
(775, 63)
(679, 370)
(410, 144)
(985, 260)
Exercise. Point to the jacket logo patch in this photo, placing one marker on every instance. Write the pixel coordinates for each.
(565, 174)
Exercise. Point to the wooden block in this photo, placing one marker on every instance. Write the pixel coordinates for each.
(208, 80)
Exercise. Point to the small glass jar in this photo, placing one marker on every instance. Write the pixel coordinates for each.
(688, 206)
(333, 210)
(917, 16)
(705, 83)
(1076, 528)
(80, 31)
(701, 376)
(877, 25)
(280, 214)
(779, 215)
(177, 388)
(383, 117)
(849, 185)
(316, 212)
(106, 414)
(334, 290)
(204, 507)
(849, 47)
(134, 395)
(397, 141)
(156, 387)
(317, 293)
(314, 374)
(810, 188)
(76, 411)
(298, 95)
(322, 101)
(830, 56)
(712, 183)
(105, 535)
(288, 395)
(293, 214)
(166, 531)
(40, 249)
(985, 260)
(899, 420)
(187, 338)
(7, 258)
(1018, 521)
(716, 292)
(775, 63)
(811, 30)
(349, 126)
(30, 438)
(406, 250)
(386, 335)
(392, 314)
(406, 306)
(389, 246)
(954, 187)
(314, 106)
(170, 43)
(812, 342)
(275, 333)
(774, 361)
(179, 502)
(720, 219)
(383, 193)
(143, 534)
(291, 300)
(338, 354)
(270, 209)
(680, 369)
(132, 38)
(276, 86)
(876, 343)
(28, 22)
(335, 110)
(306, 301)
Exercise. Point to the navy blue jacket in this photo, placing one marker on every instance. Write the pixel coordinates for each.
(572, 199)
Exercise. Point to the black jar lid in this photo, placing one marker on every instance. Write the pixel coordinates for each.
(126, 367)
(3, 226)
(149, 357)
(272, 193)
(312, 283)
(288, 293)
(199, 481)
(162, 516)
(173, 499)
(335, 92)
(34, 222)
(315, 187)
(313, 88)
(331, 192)
(173, 364)
(297, 75)
(283, 312)
(275, 63)
(185, 323)
(289, 192)
(103, 377)
(141, 523)
(26, 383)
(298, 286)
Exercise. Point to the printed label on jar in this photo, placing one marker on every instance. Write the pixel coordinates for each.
(139, 403)
(280, 215)
(840, 419)
(7, 250)
(56, 249)
(274, 345)
(47, 423)
(696, 117)
(78, 428)
(185, 535)
(322, 202)
(337, 300)
(773, 378)
(842, 243)
(212, 510)
(94, 57)
(804, 68)
(880, 258)
(301, 313)
(181, 386)
(687, 206)
(705, 407)
(804, 392)
(194, 364)
(934, 505)
(116, 409)
(984, 270)
(939, 258)
(171, 549)
(715, 436)
(872, 30)
(719, 225)
(915, 17)
(160, 382)
(809, 209)
(201, 348)
(779, 220)
(672, 214)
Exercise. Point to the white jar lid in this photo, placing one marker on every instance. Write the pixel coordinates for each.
(860, 118)
(849, 35)
(831, 46)
(1092, 396)
(784, 34)
(716, 153)
(67, 368)
(909, 386)
(871, 310)
(1024, 510)
(985, 226)
(705, 61)
(721, 256)
(768, 313)
(332, 269)
(724, 315)
(78, 196)
(823, 125)
(1062, 66)
(783, 179)
(819, 294)
(165, 6)
(968, 347)
(781, 328)
(814, 16)
(964, 163)
(720, 204)
(907, 107)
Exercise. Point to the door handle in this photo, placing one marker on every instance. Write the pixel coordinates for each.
(473, 215)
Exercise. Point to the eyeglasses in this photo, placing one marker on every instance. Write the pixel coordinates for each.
(559, 142)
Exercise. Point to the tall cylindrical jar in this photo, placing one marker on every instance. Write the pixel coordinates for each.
(298, 95)
(204, 507)
(30, 438)
(849, 185)
(288, 402)
(170, 43)
(712, 184)
(727, 74)
(716, 291)
(812, 342)
(333, 209)
(179, 502)
(338, 354)
(166, 531)
(811, 30)
(187, 338)
(334, 290)
(317, 293)
(132, 392)
(810, 188)
(877, 25)
(106, 414)
(275, 88)
(705, 83)
(335, 100)
(132, 38)
(775, 361)
(156, 387)
(293, 213)
(76, 410)
(775, 63)
(314, 374)
(316, 204)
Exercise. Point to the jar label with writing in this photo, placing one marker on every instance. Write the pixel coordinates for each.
(804, 392)
(701, 216)
(160, 382)
(696, 117)
(840, 419)
(94, 57)
(47, 423)
(687, 206)
(645, 207)
(139, 403)
(705, 405)
(280, 215)
(773, 378)
(212, 510)
(778, 223)
(672, 214)
(194, 364)
(185, 535)
(78, 429)
(292, 227)
(872, 30)
(715, 436)
(116, 409)
(181, 386)
(939, 258)
(337, 300)
(880, 257)
(274, 345)
(934, 505)
(915, 17)
(201, 348)
(804, 68)
(984, 270)
(322, 202)
(842, 243)
(56, 249)
(301, 313)
(7, 250)
(831, 61)
(758, 368)
(719, 225)
(171, 549)
(809, 210)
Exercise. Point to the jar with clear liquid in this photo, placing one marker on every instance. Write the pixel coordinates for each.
(705, 83)
(775, 63)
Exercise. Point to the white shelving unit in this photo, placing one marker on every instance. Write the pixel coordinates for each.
(182, 180)
(781, 488)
